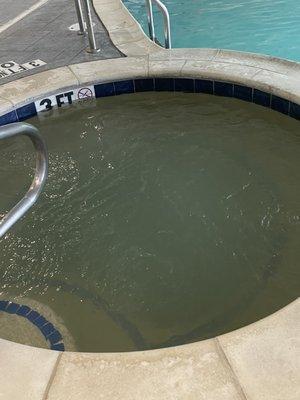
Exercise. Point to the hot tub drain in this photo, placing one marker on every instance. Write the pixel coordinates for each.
(48, 330)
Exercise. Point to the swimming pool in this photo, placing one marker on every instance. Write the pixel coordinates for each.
(167, 218)
(268, 27)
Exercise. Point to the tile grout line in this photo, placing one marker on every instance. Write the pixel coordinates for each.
(226, 362)
(52, 376)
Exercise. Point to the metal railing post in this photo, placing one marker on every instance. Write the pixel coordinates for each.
(167, 24)
(150, 19)
(89, 26)
(80, 17)
(41, 172)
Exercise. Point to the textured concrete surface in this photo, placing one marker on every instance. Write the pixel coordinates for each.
(194, 372)
(13, 9)
(44, 35)
(24, 371)
(110, 70)
(126, 34)
(266, 356)
(37, 85)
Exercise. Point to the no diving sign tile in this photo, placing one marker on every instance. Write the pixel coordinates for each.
(9, 68)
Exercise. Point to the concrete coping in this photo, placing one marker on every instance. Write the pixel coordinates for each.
(260, 361)
(271, 75)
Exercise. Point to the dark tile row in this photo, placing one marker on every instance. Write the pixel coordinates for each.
(49, 331)
(176, 85)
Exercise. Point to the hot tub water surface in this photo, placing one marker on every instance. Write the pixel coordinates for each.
(166, 218)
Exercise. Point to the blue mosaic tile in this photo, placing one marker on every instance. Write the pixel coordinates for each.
(32, 315)
(144, 85)
(8, 118)
(47, 329)
(40, 321)
(55, 337)
(242, 92)
(164, 84)
(280, 105)
(104, 90)
(261, 98)
(26, 112)
(223, 89)
(124, 87)
(12, 308)
(23, 311)
(58, 347)
(204, 86)
(295, 110)
(3, 305)
(184, 85)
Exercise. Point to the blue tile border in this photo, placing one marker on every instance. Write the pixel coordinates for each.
(204, 86)
(243, 93)
(23, 310)
(3, 305)
(54, 337)
(8, 118)
(223, 89)
(124, 87)
(294, 110)
(184, 85)
(48, 330)
(164, 84)
(261, 98)
(280, 105)
(169, 84)
(26, 112)
(144, 85)
(12, 308)
(104, 90)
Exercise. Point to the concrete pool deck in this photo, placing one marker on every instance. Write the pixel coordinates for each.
(258, 362)
(44, 34)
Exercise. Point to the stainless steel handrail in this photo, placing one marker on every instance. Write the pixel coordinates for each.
(41, 172)
(167, 24)
(84, 15)
(81, 23)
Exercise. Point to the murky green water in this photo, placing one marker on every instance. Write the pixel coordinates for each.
(167, 218)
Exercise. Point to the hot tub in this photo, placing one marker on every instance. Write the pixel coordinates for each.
(170, 214)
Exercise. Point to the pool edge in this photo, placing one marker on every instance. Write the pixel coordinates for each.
(258, 361)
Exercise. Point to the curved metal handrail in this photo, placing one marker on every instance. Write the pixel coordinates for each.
(41, 172)
(167, 24)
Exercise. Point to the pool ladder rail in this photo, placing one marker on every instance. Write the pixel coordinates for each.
(84, 15)
(167, 24)
(41, 172)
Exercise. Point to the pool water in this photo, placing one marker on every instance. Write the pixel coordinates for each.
(260, 26)
(166, 219)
